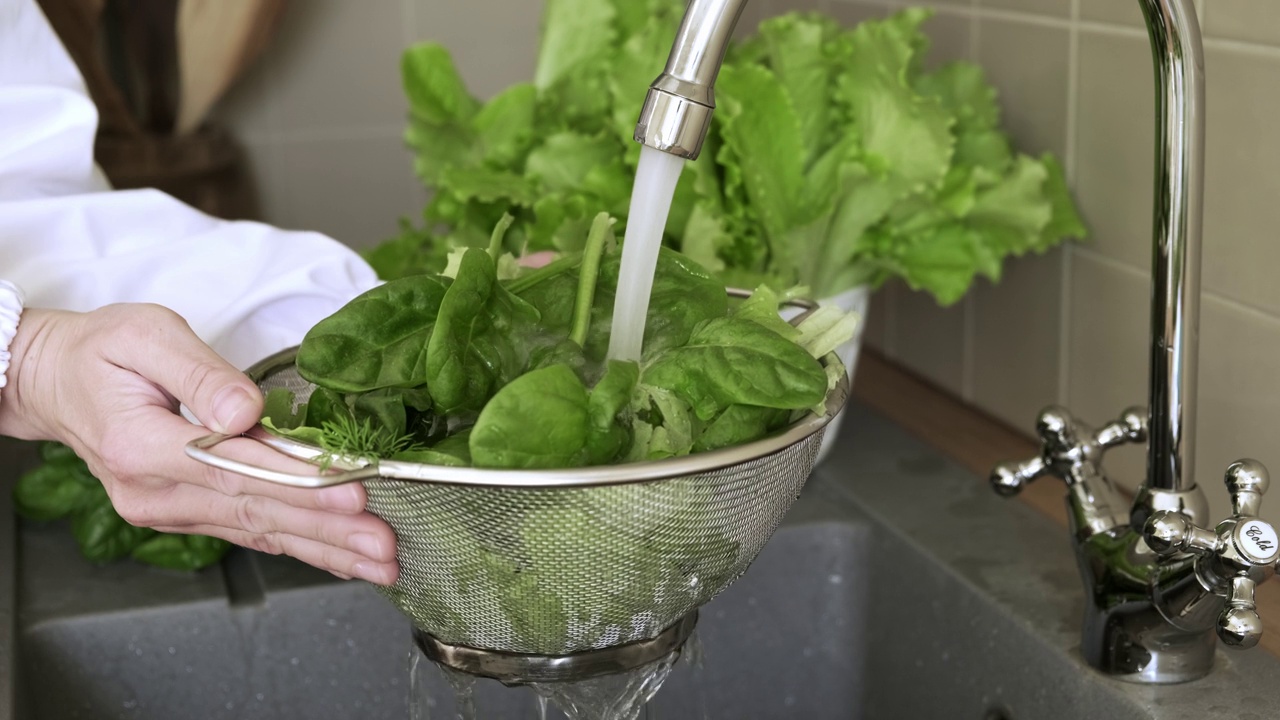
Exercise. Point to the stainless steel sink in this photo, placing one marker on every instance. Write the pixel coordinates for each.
(898, 587)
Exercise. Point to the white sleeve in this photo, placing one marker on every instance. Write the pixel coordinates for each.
(246, 288)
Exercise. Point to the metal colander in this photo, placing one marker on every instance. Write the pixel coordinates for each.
(563, 561)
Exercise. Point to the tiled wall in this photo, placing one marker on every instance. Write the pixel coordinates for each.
(322, 117)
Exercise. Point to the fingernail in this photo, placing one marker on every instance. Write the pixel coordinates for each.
(376, 573)
(229, 405)
(367, 545)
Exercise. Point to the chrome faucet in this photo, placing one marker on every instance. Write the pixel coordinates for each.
(1158, 583)
(677, 110)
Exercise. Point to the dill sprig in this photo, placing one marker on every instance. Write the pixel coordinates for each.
(347, 437)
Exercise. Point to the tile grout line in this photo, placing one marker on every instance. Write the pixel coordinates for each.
(1067, 275)
(968, 352)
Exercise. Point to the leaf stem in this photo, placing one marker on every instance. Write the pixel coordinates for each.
(499, 231)
(551, 269)
(591, 255)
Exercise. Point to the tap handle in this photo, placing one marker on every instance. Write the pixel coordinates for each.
(1069, 449)
(1241, 551)
(1239, 625)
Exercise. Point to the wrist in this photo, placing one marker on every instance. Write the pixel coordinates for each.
(17, 402)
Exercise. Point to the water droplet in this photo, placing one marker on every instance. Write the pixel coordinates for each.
(173, 651)
(835, 579)
(293, 661)
(789, 700)
(260, 697)
(231, 706)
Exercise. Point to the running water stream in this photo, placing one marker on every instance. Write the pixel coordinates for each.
(651, 196)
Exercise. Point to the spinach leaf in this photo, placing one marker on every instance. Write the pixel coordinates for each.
(606, 437)
(59, 487)
(684, 294)
(181, 552)
(731, 361)
(540, 420)
(102, 534)
(476, 346)
(377, 340)
(740, 424)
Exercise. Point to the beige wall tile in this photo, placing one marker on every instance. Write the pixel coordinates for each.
(1248, 20)
(1115, 132)
(1029, 66)
(950, 37)
(929, 339)
(1060, 8)
(1124, 12)
(785, 6)
(336, 64)
(1107, 360)
(354, 190)
(851, 13)
(1239, 397)
(1016, 340)
(1242, 189)
(493, 42)
(752, 15)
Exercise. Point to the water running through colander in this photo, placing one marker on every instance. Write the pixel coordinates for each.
(621, 696)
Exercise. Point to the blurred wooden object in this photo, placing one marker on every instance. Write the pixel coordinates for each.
(77, 23)
(156, 69)
(217, 41)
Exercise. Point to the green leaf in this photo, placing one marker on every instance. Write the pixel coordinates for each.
(574, 32)
(796, 50)
(59, 487)
(377, 340)
(505, 125)
(906, 136)
(278, 406)
(760, 125)
(563, 160)
(610, 396)
(739, 424)
(181, 552)
(102, 534)
(433, 86)
(731, 361)
(826, 329)
(540, 420)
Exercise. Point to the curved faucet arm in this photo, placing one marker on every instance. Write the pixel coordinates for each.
(1175, 261)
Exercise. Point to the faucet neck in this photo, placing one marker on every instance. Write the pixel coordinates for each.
(1175, 260)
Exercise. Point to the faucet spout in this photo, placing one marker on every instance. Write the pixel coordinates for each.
(1175, 262)
(677, 110)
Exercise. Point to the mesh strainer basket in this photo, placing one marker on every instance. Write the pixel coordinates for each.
(558, 562)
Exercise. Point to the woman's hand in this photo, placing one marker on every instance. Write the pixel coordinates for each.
(108, 384)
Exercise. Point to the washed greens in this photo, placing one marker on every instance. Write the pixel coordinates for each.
(834, 160)
(479, 370)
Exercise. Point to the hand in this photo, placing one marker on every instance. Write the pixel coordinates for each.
(108, 384)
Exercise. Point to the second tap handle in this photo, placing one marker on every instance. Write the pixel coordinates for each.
(1239, 625)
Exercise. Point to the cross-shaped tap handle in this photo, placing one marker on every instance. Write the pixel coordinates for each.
(1239, 553)
(1069, 449)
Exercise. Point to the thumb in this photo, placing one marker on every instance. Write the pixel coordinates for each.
(162, 348)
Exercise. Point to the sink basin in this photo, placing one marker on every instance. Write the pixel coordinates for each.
(898, 586)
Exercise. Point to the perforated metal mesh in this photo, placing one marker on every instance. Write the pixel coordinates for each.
(556, 570)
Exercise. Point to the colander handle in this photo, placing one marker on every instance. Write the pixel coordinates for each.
(198, 450)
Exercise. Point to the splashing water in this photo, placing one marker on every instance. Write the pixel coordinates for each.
(651, 196)
(621, 696)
